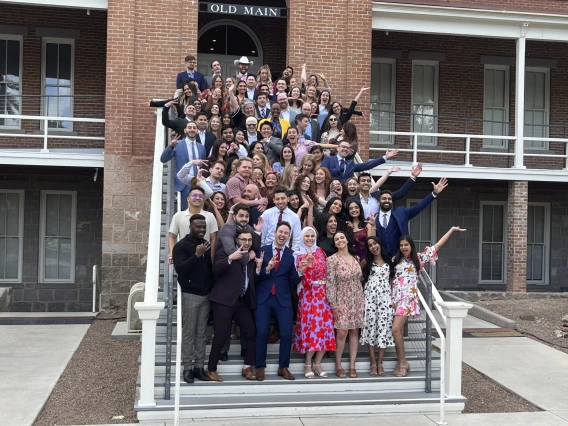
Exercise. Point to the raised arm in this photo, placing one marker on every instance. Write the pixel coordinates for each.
(401, 193)
(304, 75)
(383, 179)
(446, 236)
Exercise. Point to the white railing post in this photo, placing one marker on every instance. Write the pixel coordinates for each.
(149, 310)
(415, 149)
(467, 151)
(520, 98)
(455, 312)
(45, 135)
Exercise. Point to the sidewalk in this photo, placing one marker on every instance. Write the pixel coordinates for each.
(32, 358)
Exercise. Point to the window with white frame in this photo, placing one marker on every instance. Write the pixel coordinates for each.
(537, 105)
(11, 235)
(492, 241)
(538, 243)
(383, 93)
(423, 231)
(425, 99)
(10, 79)
(58, 215)
(58, 60)
(496, 105)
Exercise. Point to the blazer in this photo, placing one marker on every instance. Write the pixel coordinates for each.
(272, 149)
(316, 130)
(254, 95)
(229, 278)
(286, 278)
(177, 124)
(332, 164)
(182, 157)
(210, 139)
(197, 76)
(259, 115)
(400, 193)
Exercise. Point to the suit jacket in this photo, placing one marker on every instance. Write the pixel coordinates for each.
(272, 149)
(400, 193)
(182, 157)
(254, 95)
(210, 139)
(177, 124)
(316, 130)
(197, 76)
(229, 279)
(332, 164)
(259, 115)
(286, 278)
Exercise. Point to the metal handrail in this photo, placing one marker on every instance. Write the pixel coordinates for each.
(168, 281)
(96, 288)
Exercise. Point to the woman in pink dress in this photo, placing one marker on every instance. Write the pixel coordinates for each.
(405, 300)
(314, 325)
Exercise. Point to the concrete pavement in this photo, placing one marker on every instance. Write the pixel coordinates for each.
(32, 358)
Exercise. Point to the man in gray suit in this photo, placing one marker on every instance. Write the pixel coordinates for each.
(272, 146)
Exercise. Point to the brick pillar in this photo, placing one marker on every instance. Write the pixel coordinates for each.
(145, 50)
(335, 41)
(517, 236)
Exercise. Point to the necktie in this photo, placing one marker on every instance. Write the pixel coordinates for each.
(276, 265)
(385, 220)
(244, 287)
(342, 166)
(194, 154)
(280, 218)
(264, 113)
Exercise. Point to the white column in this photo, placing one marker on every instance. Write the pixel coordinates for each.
(455, 312)
(149, 313)
(520, 98)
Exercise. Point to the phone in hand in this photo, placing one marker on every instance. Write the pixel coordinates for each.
(204, 172)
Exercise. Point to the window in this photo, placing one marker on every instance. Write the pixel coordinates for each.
(425, 100)
(538, 242)
(10, 79)
(537, 95)
(227, 40)
(57, 85)
(57, 236)
(423, 231)
(493, 234)
(383, 92)
(496, 105)
(11, 235)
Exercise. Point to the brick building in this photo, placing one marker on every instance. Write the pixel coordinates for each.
(77, 137)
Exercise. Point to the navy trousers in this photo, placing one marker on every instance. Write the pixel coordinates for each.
(284, 317)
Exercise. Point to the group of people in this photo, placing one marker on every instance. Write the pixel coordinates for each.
(280, 228)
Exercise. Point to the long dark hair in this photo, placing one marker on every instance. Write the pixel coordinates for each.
(330, 202)
(361, 216)
(371, 258)
(215, 151)
(413, 254)
(350, 246)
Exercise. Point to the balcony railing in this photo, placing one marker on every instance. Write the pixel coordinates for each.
(52, 124)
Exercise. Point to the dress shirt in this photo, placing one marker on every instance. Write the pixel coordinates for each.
(381, 214)
(246, 273)
(252, 138)
(190, 148)
(308, 132)
(216, 187)
(250, 94)
(370, 207)
(264, 112)
(285, 115)
(202, 137)
(270, 217)
(242, 152)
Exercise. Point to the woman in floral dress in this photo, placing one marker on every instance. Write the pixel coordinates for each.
(377, 272)
(314, 325)
(405, 301)
(345, 295)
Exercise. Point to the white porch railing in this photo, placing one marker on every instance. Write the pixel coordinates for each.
(467, 151)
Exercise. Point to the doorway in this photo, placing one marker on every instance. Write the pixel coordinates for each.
(225, 41)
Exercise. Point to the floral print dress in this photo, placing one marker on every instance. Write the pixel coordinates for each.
(405, 301)
(378, 309)
(314, 325)
(343, 288)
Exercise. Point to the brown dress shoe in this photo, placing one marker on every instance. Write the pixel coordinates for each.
(284, 372)
(259, 374)
(213, 376)
(274, 336)
(248, 374)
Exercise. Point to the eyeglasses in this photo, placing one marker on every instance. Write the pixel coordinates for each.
(251, 124)
(197, 196)
(245, 240)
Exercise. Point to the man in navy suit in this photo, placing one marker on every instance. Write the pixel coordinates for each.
(393, 223)
(205, 138)
(277, 277)
(341, 168)
(184, 151)
(191, 63)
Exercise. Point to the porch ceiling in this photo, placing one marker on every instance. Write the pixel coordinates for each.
(468, 22)
(78, 4)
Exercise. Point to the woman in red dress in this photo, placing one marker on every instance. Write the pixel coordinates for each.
(314, 325)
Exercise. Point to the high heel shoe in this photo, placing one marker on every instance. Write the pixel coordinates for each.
(373, 372)
(381, 371)
(403, 370)
(310, 374)
(317, 373)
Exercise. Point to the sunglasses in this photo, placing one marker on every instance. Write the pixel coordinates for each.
(197, 196)
(333, 119)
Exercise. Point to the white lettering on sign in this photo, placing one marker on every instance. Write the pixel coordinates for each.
(245, 10)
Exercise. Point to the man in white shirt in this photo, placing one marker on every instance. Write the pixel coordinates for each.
(278, 214)
(180, 221)
(216, 173)
(252, 134)
(251, 88)
(285, 113)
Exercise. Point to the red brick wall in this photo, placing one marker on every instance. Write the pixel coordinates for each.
(460, 92)
(89, 69)
(546, 6)
(517, 216)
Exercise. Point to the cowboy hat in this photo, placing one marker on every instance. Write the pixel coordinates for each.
(243, 60)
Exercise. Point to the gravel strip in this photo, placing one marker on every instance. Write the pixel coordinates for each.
(486, 396)
(98, 383)
(547, 313)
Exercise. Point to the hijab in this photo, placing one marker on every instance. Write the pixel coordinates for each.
(304, 249)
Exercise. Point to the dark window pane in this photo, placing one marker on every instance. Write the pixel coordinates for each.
(213, 41)
(2, 60)
(65, 64)
(239, 43)
(13, 67)
(51, 60)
